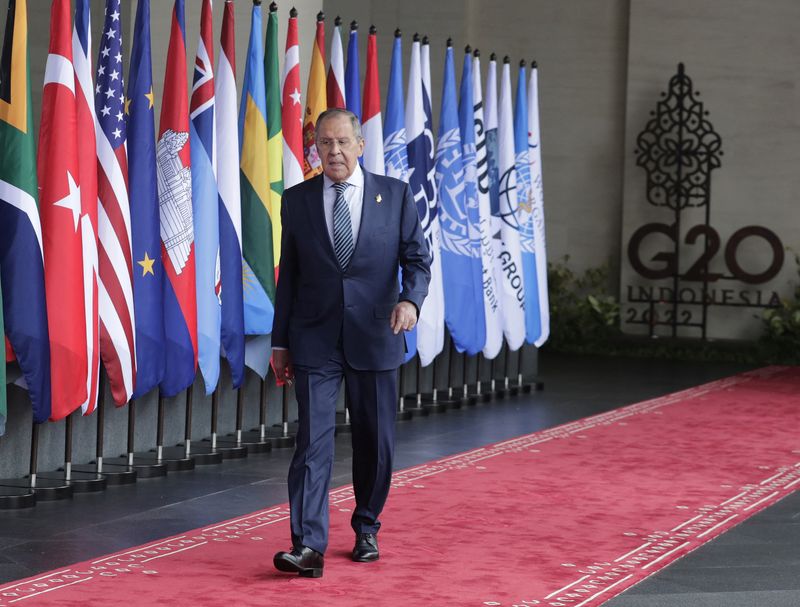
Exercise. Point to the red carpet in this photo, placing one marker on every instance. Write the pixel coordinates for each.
(565, 517)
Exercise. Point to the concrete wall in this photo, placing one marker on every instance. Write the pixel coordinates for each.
(581, 49)
(739, 55)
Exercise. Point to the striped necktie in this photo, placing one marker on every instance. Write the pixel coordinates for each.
(342, 227)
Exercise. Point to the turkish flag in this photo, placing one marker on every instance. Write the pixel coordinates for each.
(60, 208)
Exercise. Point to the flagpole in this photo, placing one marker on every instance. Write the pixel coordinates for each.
(125, 475)
(449, 400)
(402, 414)
(173, 464)
(284, 441)
(203, 454)
(15, 495)
(417, 409)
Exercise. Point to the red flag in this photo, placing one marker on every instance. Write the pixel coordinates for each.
(335, 82)
(60, 208)
(116, 278)
(372, 126)
(291, 109)
(173, 157)
(87, 166)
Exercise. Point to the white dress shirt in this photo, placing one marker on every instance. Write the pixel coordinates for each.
(354, 195)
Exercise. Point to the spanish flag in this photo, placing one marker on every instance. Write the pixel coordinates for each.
(316, 102)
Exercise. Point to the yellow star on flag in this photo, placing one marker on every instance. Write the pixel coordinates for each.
(147, 265)
(150, 98)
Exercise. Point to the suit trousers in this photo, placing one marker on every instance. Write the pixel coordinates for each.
(372, 398)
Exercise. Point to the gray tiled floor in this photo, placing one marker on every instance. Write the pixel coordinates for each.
(755, 564)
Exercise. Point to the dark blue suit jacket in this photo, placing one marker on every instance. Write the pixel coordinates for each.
(316, 301)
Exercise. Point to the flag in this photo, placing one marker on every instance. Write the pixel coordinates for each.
(394, 144)
(292, 111)
(509, 255)
(88, 169)
(229, 205)
(21, 253)
(205, 203)
(3, 409)
(148, 269)
(117, 327)
(272, 76)
(335, 83)
(259, 267)
(371, 128)
(524, 206)
(492, 303)
(463, 295)
(316, 102)
(539, 282)
(60, 195)
(173, 156)
(430, 327)
(352, 85)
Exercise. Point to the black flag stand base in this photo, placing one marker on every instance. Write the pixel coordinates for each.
(81, 482)
(18, 493)
(523, 386)
(413, 402)
(43, 490)
(113, 475)
(436, 401)
(129, 464)
(174, 458)
(401, 415)
(249, 442)
(274, 435)
(206, 453)
(279, 436)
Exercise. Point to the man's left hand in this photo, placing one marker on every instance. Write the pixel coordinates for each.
(404, 317)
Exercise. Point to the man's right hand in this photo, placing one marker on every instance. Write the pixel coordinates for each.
(282, 364)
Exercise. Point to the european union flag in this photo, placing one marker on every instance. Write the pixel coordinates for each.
(148, 272)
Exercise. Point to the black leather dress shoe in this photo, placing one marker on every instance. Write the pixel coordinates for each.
(303, 560)
(366, 548)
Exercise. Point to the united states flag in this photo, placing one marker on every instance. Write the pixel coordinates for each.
(116, 291)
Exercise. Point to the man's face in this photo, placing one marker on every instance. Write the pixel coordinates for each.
(338, 147)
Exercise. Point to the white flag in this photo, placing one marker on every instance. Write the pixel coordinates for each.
(508, 254)
(491, 293)
(419, 134)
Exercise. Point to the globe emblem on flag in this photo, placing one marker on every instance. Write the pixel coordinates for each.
(395, 154)
(524, 202)
(175, 198)
(508, 208)
(453, 220)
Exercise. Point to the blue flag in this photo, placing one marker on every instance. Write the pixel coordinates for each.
(148, 271)
(230, 204)
(459, 251)
(205, 203)
(394, 144)
(533, 324)
(352, 86)
(492, 152)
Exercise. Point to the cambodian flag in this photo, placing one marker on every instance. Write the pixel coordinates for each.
(174, 174)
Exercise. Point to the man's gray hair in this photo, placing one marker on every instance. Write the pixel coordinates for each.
(337, 111)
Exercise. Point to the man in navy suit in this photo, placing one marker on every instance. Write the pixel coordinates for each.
(340, 314)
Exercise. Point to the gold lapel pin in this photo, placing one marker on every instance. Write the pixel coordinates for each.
(378, 198)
